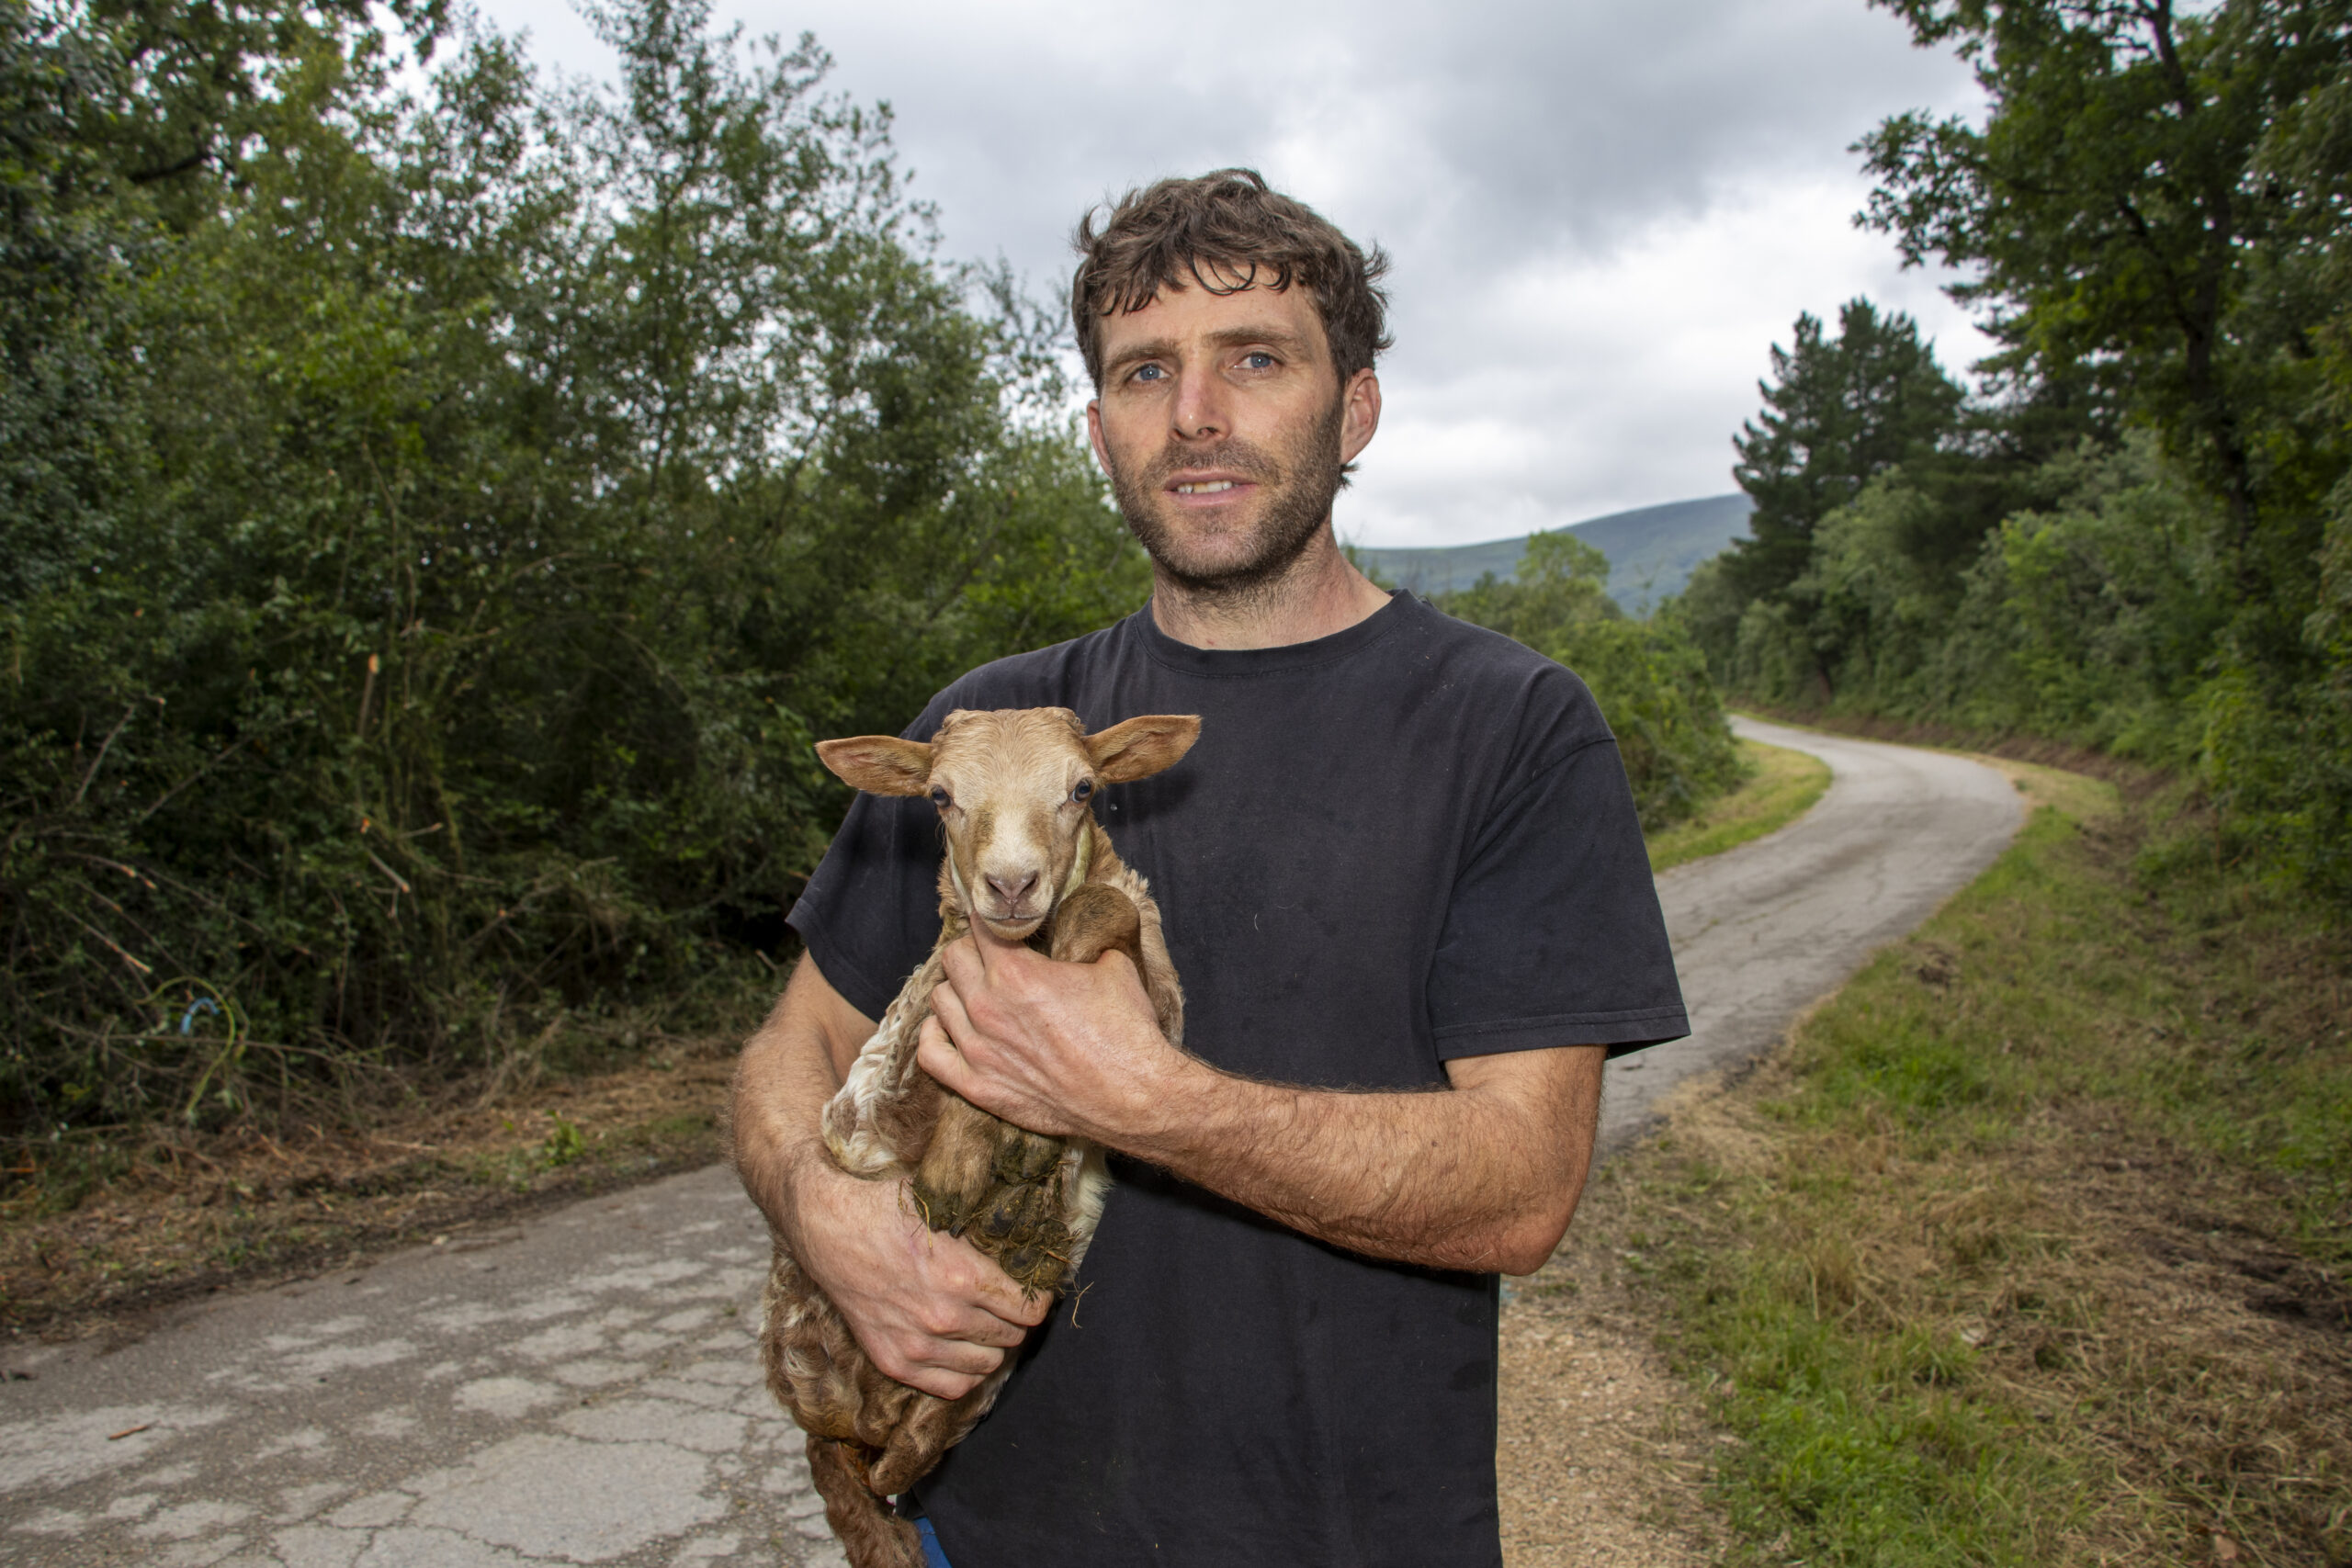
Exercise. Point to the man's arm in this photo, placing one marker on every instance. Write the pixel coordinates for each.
(1483, 1176)
(930, 1309)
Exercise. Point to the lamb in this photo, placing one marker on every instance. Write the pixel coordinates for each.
(1025, 855)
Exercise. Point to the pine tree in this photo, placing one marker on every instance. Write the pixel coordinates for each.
(1838, 412)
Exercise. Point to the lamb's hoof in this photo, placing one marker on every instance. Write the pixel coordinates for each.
(939, 1211)
(1023, 1155)
(1014, 1210)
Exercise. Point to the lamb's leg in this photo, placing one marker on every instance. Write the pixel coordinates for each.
(1094, 920)
(958, 1171)
(930, 1428)
(869, 1532)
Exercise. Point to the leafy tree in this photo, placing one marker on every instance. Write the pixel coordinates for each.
(1838, 412)
(432, 615)
(2126, 208)
(2158, 203)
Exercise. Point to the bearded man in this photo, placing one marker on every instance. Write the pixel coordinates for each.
(1405, 888)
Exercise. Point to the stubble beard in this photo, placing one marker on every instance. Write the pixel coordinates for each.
(1298, 486)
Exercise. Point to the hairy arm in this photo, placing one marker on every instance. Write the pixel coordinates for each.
(929, 1309)
(1483, 1175)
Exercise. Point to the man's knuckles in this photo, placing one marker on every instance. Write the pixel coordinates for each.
(939, 1320)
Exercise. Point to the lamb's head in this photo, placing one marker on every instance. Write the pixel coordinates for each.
(1014, 790)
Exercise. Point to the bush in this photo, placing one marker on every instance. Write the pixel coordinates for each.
(499, 489)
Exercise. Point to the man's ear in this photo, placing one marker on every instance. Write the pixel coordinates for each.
(1094, 434)
(1143, 746)
(878, 764)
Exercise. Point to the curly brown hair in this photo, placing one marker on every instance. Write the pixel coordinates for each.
(1226, 232)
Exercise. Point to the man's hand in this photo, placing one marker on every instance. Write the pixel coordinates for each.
(1062, 1049)
(930, 1310)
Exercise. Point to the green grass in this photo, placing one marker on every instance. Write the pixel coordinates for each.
(1784, 787)
(2029, 1246)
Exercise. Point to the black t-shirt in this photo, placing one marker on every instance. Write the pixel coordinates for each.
(1407, 843)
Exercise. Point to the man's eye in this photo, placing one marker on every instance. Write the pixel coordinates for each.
(1151, 373)
(1258, 360)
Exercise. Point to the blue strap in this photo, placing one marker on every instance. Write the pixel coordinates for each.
(932, 1556)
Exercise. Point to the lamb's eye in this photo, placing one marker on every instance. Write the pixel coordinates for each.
(939, 796)
(1085, 787)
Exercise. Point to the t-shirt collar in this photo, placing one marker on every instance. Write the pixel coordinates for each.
(1183, 658)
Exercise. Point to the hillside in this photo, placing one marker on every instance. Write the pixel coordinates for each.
(1651, 550)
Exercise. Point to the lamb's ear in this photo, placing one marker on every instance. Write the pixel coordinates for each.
(878, 764)
(1143, 746)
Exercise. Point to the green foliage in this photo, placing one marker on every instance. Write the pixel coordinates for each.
(2136, 540)
(1838, 412)
(441, 522)
(2122, 209)
(1650, 679)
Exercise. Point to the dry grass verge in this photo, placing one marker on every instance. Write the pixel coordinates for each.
(99, 1238)
(2030, 1247)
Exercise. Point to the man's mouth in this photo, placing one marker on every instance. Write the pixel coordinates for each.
(1208, 490)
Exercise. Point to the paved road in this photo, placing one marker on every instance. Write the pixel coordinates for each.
(582, 1389)
(1761, 932)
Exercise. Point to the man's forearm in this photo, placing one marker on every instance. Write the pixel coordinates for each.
(1482, 1176)
(928, 1309)
(781, 1082)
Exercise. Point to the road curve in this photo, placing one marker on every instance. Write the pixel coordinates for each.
(1763, 930)
(580, 1388)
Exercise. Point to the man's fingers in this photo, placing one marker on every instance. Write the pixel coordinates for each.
(998, 1295)
(987, 1307)
(986, 1328)
(943, 1369)
(941, 1385)
(962, 960)
(959, 1356)
(935, 1053)
(947, 1012)
(988, 947)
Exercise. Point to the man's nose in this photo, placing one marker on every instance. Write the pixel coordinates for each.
(1200, 411)
(1012, 890)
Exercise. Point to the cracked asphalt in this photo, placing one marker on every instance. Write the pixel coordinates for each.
(583, 1388)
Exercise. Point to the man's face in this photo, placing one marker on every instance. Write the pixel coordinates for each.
(1222, 427)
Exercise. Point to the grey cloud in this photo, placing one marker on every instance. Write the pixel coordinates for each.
(1504, 151)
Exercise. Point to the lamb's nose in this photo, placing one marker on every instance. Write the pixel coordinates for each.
(1012, 892)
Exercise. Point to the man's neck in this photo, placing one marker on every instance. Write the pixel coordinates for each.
(1321, 594)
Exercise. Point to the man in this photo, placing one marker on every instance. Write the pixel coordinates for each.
(1408, 899)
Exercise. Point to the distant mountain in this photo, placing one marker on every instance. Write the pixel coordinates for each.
(1651, 550)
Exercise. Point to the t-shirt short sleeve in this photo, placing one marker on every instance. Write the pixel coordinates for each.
(1553, 936)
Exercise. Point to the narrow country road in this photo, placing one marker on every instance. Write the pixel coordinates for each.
(1761, 932)
(582, 1389)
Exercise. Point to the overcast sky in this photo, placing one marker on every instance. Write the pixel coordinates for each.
(1603, 215)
